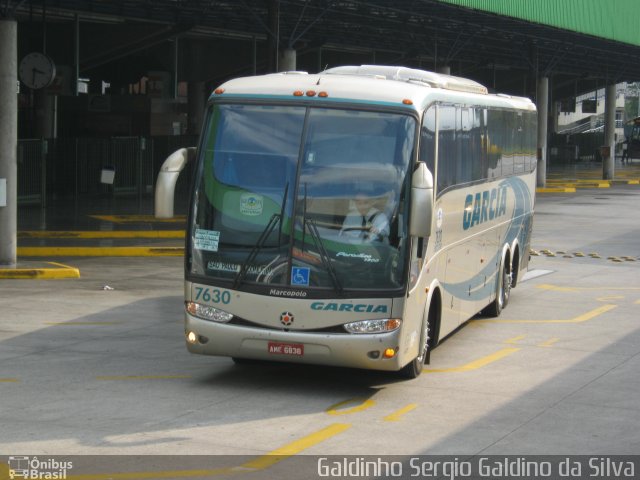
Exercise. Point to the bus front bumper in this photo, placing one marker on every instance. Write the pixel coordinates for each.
(343, 350)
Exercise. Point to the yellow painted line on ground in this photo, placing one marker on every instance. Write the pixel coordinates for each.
(63, 271)
(555, 190)
(139, 218)
(476, 364)
(103, 234)
(293, 448)
(73, 324)
(142, 377)
(575, 289)
(610, 298)
(259, 463)
(549, 342)
(555, 288)
(395, 416)
(579, 319)
(100, 251)
(9, 380)
(359, 407)
(515, 339)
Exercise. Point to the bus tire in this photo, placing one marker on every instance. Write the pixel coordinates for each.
(503, 291)
(413, 369)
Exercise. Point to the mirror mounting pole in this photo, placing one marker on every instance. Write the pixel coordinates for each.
(167, 178)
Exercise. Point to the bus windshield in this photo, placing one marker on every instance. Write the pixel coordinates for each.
(303, 197)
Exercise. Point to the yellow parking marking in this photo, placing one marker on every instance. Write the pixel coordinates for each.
(610, 298)
(293, 448)
(476, 364)
(362, 405)
(103, 234)
(549, 342)
(73, 324)
(138, 218)
(556, 288)
(579, 319)
(576, 289)
(64, 271)
(259, 463)
(515, 339)
(8, 380)
(142, 377)
(100, 251)
(395, 416)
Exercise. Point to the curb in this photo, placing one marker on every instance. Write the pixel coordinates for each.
(100, 251)
(64, 271)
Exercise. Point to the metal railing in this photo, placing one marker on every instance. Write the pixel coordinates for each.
(49, 169)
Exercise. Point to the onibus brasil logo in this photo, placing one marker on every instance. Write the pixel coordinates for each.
(33, 468)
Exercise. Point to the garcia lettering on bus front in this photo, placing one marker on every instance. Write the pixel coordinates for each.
(349, 307)
(484, 206)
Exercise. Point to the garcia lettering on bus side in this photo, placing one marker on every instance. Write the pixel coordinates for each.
(484, 206)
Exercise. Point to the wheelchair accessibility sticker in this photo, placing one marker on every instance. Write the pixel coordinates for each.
(300, 276)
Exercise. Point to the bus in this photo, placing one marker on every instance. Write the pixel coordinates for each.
(271, 272)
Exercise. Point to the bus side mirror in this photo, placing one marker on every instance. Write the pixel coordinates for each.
(167, 178)
(421, 202)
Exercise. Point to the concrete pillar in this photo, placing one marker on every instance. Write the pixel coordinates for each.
(287, 61)
(8, 141)
(608, 162)
(446, 69)
(195, 106)
(273, 23)
(542, 103)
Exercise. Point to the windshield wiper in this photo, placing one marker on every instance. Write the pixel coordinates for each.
(324, 256)
(273, 221)
(244, 268)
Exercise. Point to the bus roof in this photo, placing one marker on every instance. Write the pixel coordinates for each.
(370, 84)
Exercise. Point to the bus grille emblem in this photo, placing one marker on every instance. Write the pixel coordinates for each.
(286, 318)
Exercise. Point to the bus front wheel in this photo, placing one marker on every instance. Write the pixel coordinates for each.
(414, 368)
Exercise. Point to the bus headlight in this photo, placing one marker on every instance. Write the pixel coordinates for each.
(207, 312)
(373, 326)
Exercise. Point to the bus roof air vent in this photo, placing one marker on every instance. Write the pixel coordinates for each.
(403, 74)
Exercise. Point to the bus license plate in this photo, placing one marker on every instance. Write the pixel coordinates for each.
(295, 349)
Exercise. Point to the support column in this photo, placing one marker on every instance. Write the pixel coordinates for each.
(196, 101)
(287, 61)
(196, 58)
(8, 141)
(542, 103)
(608, 162)
(273, 13)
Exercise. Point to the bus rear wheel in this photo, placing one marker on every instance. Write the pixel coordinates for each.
(503, 291)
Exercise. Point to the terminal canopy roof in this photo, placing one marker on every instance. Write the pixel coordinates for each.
(580, 43)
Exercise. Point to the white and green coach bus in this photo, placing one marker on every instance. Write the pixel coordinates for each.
(439, 174)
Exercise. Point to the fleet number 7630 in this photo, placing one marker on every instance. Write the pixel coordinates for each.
(212, 295)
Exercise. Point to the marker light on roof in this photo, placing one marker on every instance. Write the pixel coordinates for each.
(323, 94)
(406, 101)
(218, 91)
(298, 93)
(311, 93)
